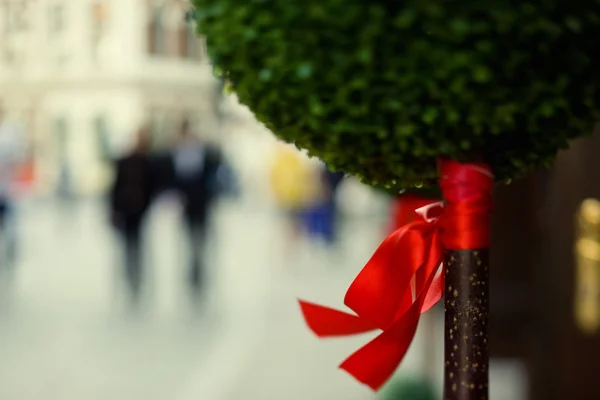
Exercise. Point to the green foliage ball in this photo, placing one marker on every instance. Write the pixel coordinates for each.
(382, 88)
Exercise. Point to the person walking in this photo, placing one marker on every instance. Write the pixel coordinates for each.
(13, 147)
(331, 181)
(130, 198)
(293, 188)
(196, 165)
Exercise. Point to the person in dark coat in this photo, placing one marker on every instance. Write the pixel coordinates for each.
(130, 198)
(196, 168)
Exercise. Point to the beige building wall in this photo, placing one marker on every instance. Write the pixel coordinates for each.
(65, 65)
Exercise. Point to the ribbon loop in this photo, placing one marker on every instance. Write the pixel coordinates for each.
(381, 293)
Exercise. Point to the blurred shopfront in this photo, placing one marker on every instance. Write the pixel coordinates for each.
(546, 279)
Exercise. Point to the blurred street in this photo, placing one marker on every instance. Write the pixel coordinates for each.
(67, 332)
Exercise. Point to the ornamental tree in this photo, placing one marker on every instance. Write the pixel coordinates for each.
(384, 90)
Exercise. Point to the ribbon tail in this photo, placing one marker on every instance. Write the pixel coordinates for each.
(374, 363)
(325, 321)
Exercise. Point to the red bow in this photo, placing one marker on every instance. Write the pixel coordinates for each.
(399, 282)
(403, 209)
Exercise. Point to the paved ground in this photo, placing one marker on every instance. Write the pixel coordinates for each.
(66, 331)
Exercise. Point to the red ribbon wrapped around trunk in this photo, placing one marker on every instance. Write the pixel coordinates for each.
(401, 280)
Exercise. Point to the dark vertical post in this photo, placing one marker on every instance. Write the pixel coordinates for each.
(466, 348)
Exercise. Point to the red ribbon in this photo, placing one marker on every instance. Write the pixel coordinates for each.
(400, 281)
(403, 209)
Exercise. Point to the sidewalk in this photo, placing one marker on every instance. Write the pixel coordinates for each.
(64, 334)
(288, 361)
(65, 330)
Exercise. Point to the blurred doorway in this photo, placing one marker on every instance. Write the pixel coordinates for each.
(546, 285)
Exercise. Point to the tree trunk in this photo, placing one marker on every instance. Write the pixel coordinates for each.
(466, 348)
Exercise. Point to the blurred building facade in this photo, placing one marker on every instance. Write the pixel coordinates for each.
(82, 75)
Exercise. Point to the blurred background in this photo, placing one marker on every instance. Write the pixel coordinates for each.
(154, 236)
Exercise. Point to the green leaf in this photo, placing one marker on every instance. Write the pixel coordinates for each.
(304, 70)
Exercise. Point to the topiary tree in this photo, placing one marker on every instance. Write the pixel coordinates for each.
(390, 91)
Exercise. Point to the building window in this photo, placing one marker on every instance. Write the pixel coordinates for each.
(156, 32)
(57, 18)
(182, 41)
(6, 19)
(13, 23)
(189, 44)
(15, 17)
(99, 18)
(194, 44)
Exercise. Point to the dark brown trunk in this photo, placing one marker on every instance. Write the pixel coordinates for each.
(466, 349)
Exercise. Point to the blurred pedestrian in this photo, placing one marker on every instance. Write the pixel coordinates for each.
(196, 165)
(332, 181)
(293, 187)
(13, 148)
(322, 214)
(130, 198)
